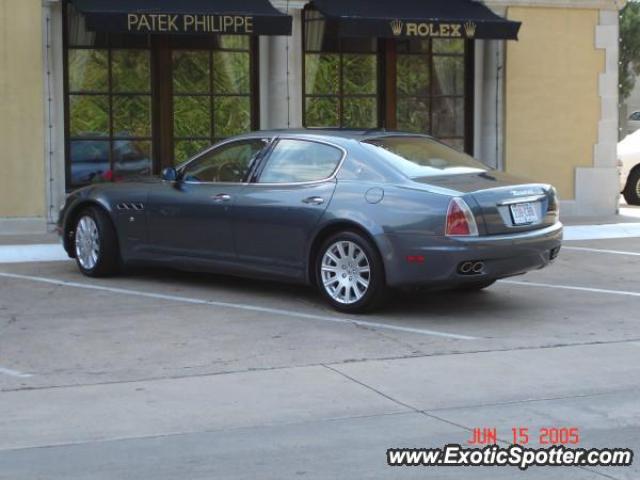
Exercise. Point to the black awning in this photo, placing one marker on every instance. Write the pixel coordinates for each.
(416, 18)
(257, 17)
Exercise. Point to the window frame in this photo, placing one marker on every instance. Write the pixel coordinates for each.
(262, 163)
(387, 94)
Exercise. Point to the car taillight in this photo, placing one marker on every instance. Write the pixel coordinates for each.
(460, 220)
(554, 204)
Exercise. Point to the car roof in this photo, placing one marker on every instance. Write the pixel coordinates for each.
(335, 133)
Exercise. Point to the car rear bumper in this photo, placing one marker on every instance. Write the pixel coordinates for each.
(501, 256)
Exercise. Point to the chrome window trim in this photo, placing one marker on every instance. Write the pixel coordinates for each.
(516, 200)
(310, 182)
(270, 140)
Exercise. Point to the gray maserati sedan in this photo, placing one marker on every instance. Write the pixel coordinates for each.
(351, 212)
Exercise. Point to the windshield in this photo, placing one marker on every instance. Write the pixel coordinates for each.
(423, 157)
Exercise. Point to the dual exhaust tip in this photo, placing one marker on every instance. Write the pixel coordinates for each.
(471, 268)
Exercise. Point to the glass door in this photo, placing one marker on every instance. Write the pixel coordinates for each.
(431, 89)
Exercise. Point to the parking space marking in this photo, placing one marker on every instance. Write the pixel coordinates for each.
(600, 250)
(238, 306)
(50, 252)
(14, 373)
(571, 287)
(602, 232)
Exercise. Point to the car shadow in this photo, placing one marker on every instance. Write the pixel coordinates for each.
(414, 305)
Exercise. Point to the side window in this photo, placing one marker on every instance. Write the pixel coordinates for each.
(228, 163)
(294, 161)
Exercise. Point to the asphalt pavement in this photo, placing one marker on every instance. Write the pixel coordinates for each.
(162, 375)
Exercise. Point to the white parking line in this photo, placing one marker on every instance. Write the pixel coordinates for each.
(600, 250)
(600, 232)
(238, 306)
(50, 252)
(14, 373)
(571, 287)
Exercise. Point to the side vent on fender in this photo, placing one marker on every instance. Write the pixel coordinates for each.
(130, 206)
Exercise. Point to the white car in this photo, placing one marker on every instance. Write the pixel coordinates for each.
(629, 161)
(633, 123)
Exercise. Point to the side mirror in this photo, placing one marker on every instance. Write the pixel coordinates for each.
(170, 174)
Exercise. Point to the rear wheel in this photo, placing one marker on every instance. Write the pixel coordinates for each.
(349, 273)
(631, 191)
(96, 243)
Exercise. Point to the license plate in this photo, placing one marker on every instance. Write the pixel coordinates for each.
(524, 213)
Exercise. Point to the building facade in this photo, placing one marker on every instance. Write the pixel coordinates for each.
(88, 95)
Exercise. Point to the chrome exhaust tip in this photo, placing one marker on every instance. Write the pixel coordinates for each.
(478, 267)
(466, 267)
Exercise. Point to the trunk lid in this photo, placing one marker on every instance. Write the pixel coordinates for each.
(500, 202)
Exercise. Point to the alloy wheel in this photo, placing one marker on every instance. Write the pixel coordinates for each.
(87, 243)
(345, 272)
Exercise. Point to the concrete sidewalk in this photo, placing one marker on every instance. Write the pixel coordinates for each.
(628, 214)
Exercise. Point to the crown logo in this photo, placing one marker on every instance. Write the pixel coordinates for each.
(470, 29)
(396, 27)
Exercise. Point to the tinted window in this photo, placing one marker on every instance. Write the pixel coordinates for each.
(294, 161)
(635, 116)
(228, 163)
(423, 157)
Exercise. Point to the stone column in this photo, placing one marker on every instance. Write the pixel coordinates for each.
(281, 78)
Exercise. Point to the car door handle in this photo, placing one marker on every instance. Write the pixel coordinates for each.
(313, 200)
(222, 197)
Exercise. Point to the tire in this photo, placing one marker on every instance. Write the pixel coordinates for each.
(350, 273)
(476, 287)
(95, 243)
(631, 191)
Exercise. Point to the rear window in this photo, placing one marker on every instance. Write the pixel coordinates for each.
(423, 157)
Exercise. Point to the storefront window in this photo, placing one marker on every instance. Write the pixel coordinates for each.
(136, 103)
(417, 85)
(341, 87)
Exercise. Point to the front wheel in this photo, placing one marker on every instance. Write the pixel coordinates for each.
(350, 273)
(631, 191)
(96, 243)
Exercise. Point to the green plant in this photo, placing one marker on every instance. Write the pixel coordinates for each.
(629, 67)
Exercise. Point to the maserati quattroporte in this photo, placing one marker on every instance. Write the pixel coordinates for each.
(351, 212)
